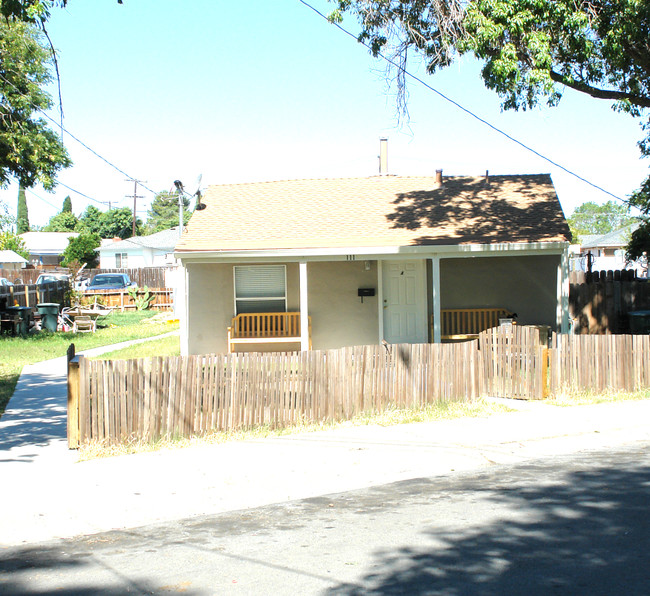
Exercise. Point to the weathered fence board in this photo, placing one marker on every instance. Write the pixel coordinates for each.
(196, 394)
(599, 363)
(184, 396)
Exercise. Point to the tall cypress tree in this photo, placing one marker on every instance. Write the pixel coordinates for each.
(67, 205)
(22, 216)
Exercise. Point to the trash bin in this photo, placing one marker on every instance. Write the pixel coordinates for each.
(639, 322)
(49, 312)
(25, 314)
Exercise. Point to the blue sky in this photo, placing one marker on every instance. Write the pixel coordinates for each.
(264, 90)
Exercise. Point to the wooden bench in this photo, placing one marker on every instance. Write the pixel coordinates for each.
(467, 323)
(262, 328)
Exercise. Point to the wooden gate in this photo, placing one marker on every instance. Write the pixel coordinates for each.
(513, 362)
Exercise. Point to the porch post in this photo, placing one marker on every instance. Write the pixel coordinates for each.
(563, 292)
(435, 299)
(304, 308)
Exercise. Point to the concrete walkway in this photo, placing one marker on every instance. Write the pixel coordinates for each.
(48, 494)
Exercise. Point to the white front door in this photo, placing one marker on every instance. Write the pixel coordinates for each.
(405, 306)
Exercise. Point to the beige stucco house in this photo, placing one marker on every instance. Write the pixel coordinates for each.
(374, 258)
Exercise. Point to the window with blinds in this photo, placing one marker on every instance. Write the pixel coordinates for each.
(260, 288)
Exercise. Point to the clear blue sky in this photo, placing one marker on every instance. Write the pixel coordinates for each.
(265, 90)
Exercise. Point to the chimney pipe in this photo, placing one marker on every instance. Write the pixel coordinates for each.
(487, 176)
(439, 177)
(383, 156)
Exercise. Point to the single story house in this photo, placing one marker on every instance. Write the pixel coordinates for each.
(46, 248)
(155, 250)
(11, 261)
(607, 252)
(375, 258)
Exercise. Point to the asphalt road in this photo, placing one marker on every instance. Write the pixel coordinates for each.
(572, 524)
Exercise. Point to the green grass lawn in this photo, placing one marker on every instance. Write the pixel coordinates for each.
(16, 352)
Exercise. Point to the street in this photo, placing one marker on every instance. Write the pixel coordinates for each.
(564, 524)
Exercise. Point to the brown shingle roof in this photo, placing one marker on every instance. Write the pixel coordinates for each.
(376, 211)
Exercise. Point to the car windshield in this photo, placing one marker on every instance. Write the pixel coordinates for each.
(107, 280)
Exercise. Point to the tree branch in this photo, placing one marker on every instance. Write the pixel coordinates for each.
(637, 100)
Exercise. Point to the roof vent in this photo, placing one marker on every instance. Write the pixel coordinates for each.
(439, 177)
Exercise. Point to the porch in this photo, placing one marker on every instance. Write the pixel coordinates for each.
(328, 304)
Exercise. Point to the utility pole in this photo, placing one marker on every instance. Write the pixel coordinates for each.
(136, 196)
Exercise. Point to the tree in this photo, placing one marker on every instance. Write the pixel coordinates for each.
(11, 241)
(118, 223)
(591, 218)
(29, 150)
(67, 205)
(163, 213)
(62, 222)
(83, 249)
(528, 47)
(22, 215)
(90, 220)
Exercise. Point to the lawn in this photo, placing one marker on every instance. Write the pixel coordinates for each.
(16, 352)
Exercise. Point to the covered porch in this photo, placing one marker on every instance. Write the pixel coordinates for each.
(326, 301)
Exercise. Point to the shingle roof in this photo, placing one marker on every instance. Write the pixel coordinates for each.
(164, 240)
(9, 256)
(50, 243)
(376, 211)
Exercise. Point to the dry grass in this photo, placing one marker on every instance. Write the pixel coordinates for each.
(586, 398)
(391, 417)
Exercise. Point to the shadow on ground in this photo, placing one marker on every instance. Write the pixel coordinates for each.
(585, 532)
(561, 526)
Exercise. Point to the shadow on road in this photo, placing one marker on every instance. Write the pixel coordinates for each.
(585, 532)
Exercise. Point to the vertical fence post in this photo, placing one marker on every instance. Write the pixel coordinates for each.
(73, 398)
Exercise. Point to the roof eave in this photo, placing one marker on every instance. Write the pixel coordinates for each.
(374, 252)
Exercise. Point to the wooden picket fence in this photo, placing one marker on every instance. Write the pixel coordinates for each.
(121, 400)
(599, 363)
(149, 398)
(163, 298)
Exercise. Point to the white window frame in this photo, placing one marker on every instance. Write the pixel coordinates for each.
(237, 300)
(120, 259)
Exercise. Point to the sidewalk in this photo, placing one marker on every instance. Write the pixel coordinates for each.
(47, 495)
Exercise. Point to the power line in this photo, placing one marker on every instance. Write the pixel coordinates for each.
(464, 109)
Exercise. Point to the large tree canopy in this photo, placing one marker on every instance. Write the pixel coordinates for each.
(529, 47)
(29, 151)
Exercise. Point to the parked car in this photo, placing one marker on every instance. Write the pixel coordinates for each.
(46, 278)
(5, 282)
(110, 281)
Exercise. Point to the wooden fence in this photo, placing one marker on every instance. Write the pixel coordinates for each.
(603, 307)
(152, 277)
(163, 298)
(599, 363)
(119, 400)
(31, 295)
(155, 397)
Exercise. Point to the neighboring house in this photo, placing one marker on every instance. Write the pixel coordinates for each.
(412, 245)
(46, 248)
(607, 252)
(156, 250)
(11, 261)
